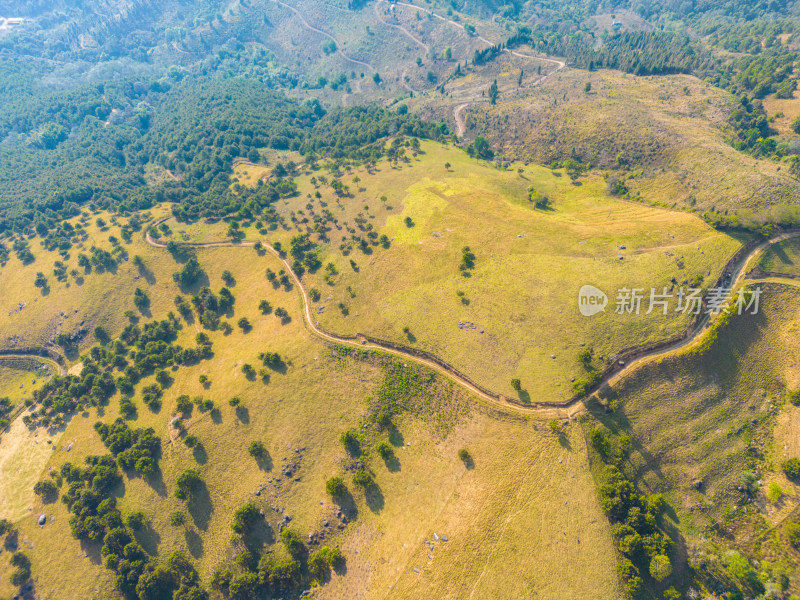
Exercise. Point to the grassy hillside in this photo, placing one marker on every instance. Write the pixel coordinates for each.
(530, 263)
(493, 524)
(783, 257)
(674, 127)
(698, 423)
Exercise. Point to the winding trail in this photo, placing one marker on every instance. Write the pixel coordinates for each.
(327, 35)
(457, 110)
(567, 409)
(461, 127)
(401, 28)
(59, 368)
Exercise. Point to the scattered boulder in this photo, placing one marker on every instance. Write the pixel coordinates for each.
(42, 519)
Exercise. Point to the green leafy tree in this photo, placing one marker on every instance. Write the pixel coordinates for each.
(335, 487)
(660, 567)
(256, 449)
(188, 484)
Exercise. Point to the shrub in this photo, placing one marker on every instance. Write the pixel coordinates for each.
(235, 401)
(191, 441)
(265, 307)
(183, 404)
(362, 478)
(464, 455)
(45, 489)
(792, 530)
(135, 520)
(791, 468)
(291, 540)
(271, 359)
(774, 492)
(349, 439)
(244, 324)
(629, 574)
(333, 556)
(177, 518)
(385, 450)
(245, 517)
(660, 567)
(335, 487)
(189, 274)
(256, 449)
(101, 335)
(22, 568)
(516, 384)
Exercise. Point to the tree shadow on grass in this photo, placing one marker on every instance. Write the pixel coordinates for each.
(148, 538)
(260, 533)
(264, 462)
(200, 506)
(243, 414)
(156, 482)
(92, 551)
(193, 542)
(200, 454)
(374, 498)
(195, 286)
(347, 505)
(396, 438)
(392, 463)
(148, 275)
(11, 542)
(216, 416)
(524, 396)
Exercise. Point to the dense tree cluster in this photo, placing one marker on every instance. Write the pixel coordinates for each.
(134, 449)
(210, 306)
(190, 128)
(633, 516)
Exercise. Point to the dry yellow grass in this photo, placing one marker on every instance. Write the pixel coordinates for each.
(93, 299)
(530, 265)
(675, 127)
(495, 525)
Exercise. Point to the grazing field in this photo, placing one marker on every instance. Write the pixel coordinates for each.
(19, 377)
(299, 413)
(697, 423)
(529, 265)
(85, 298)
(783, 257)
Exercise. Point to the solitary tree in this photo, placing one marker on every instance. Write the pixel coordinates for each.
(256, 449)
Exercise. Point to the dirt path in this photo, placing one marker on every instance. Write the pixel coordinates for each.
(60, 369)
(461, 127)
(457, 110)
(401, 28)
(568, 409)
(327, 35)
